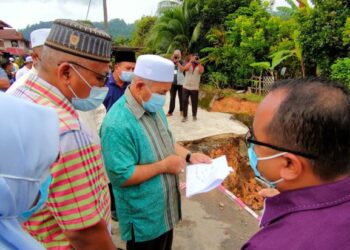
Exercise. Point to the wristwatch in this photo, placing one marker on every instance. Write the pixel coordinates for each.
(188, 157)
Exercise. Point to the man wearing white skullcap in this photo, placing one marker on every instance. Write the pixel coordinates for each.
(37, 40)
(142, 159)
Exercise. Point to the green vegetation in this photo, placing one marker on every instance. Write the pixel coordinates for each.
(244, 38)
(341, 71)
(241, 39)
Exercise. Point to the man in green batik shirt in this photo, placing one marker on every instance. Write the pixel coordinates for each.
(142, 159)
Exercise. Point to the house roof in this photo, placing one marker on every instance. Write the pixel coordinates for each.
(11, 34)
(4, 25)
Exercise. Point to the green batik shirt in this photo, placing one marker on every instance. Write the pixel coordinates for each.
(130, 136)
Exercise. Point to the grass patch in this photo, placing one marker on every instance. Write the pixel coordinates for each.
(211, 91)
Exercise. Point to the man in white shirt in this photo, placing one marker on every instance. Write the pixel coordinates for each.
(28, 63)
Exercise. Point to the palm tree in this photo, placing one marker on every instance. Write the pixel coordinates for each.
(292, 12)
(177, 28)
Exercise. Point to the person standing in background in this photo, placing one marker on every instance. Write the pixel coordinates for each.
(194, 70)
(120, 78)
(28, 63)
(177, 83)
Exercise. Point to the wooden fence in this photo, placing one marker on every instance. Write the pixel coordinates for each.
(260, 85)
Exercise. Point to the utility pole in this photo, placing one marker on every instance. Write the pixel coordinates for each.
(105, 16)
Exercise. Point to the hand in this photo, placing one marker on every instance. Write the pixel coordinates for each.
(173, 164)
(199, 158)
(268, 192)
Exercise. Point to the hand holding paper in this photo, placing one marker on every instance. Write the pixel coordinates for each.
(202, 178)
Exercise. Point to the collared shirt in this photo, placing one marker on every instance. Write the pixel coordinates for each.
(78, 196)
(114, 91)
(310, 218)
(131, 136)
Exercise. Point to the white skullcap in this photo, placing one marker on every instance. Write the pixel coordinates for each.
(38, 37)
(154, 68)
(29, 59)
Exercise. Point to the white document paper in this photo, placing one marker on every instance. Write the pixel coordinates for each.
(201, 178)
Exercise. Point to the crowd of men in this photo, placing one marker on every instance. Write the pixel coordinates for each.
(69, 120)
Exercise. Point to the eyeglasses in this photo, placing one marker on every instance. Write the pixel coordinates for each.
(103, 77)
(249, 139)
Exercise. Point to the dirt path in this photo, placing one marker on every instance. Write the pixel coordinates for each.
(211, 221)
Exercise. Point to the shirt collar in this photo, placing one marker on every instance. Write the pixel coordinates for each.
(43, 88)
(134, 106)
(309, 198)
(113, 83)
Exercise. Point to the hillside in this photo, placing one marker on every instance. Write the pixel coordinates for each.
(117, 27)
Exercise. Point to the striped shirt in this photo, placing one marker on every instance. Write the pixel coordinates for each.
(130, 137)
(78, 195)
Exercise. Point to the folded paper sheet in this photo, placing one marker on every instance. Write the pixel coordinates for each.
(201, 178)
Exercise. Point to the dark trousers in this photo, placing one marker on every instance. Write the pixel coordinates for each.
(175, 88)
(112, 197)
(194, 100)
(163, 242)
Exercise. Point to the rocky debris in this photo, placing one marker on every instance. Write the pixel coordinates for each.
(241, 181)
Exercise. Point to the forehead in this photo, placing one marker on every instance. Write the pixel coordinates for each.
(266, 111)
(126, 64)
(161, 85)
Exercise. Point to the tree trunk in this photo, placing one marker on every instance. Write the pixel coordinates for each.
(302, 67)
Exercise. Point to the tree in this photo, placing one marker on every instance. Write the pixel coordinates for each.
(321, 34)
(250, 32)
(177, 28)
(121, 41)
(142, 31)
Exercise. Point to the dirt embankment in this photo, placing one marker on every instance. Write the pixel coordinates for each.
(234, 106)
(241, 182)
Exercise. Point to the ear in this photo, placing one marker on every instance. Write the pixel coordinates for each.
(293, 167)
(64, 73)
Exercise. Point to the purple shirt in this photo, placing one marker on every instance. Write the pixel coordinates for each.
(114, 91)
(309, 218)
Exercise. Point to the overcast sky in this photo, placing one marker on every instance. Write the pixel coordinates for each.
(20, 13)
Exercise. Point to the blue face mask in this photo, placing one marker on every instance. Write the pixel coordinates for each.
(95, 98)
(44, 193)
(126, 76)
(155, 103)
(253, 161)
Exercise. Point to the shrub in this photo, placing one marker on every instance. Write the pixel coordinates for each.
(341, 71)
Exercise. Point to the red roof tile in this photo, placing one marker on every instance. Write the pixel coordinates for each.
(11, 34)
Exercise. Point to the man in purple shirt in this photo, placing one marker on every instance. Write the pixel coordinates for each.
(120, 78)
(300, 144)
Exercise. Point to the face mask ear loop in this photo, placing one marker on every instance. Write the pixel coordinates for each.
(271, 156)
(84, 80)
(71, 89)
